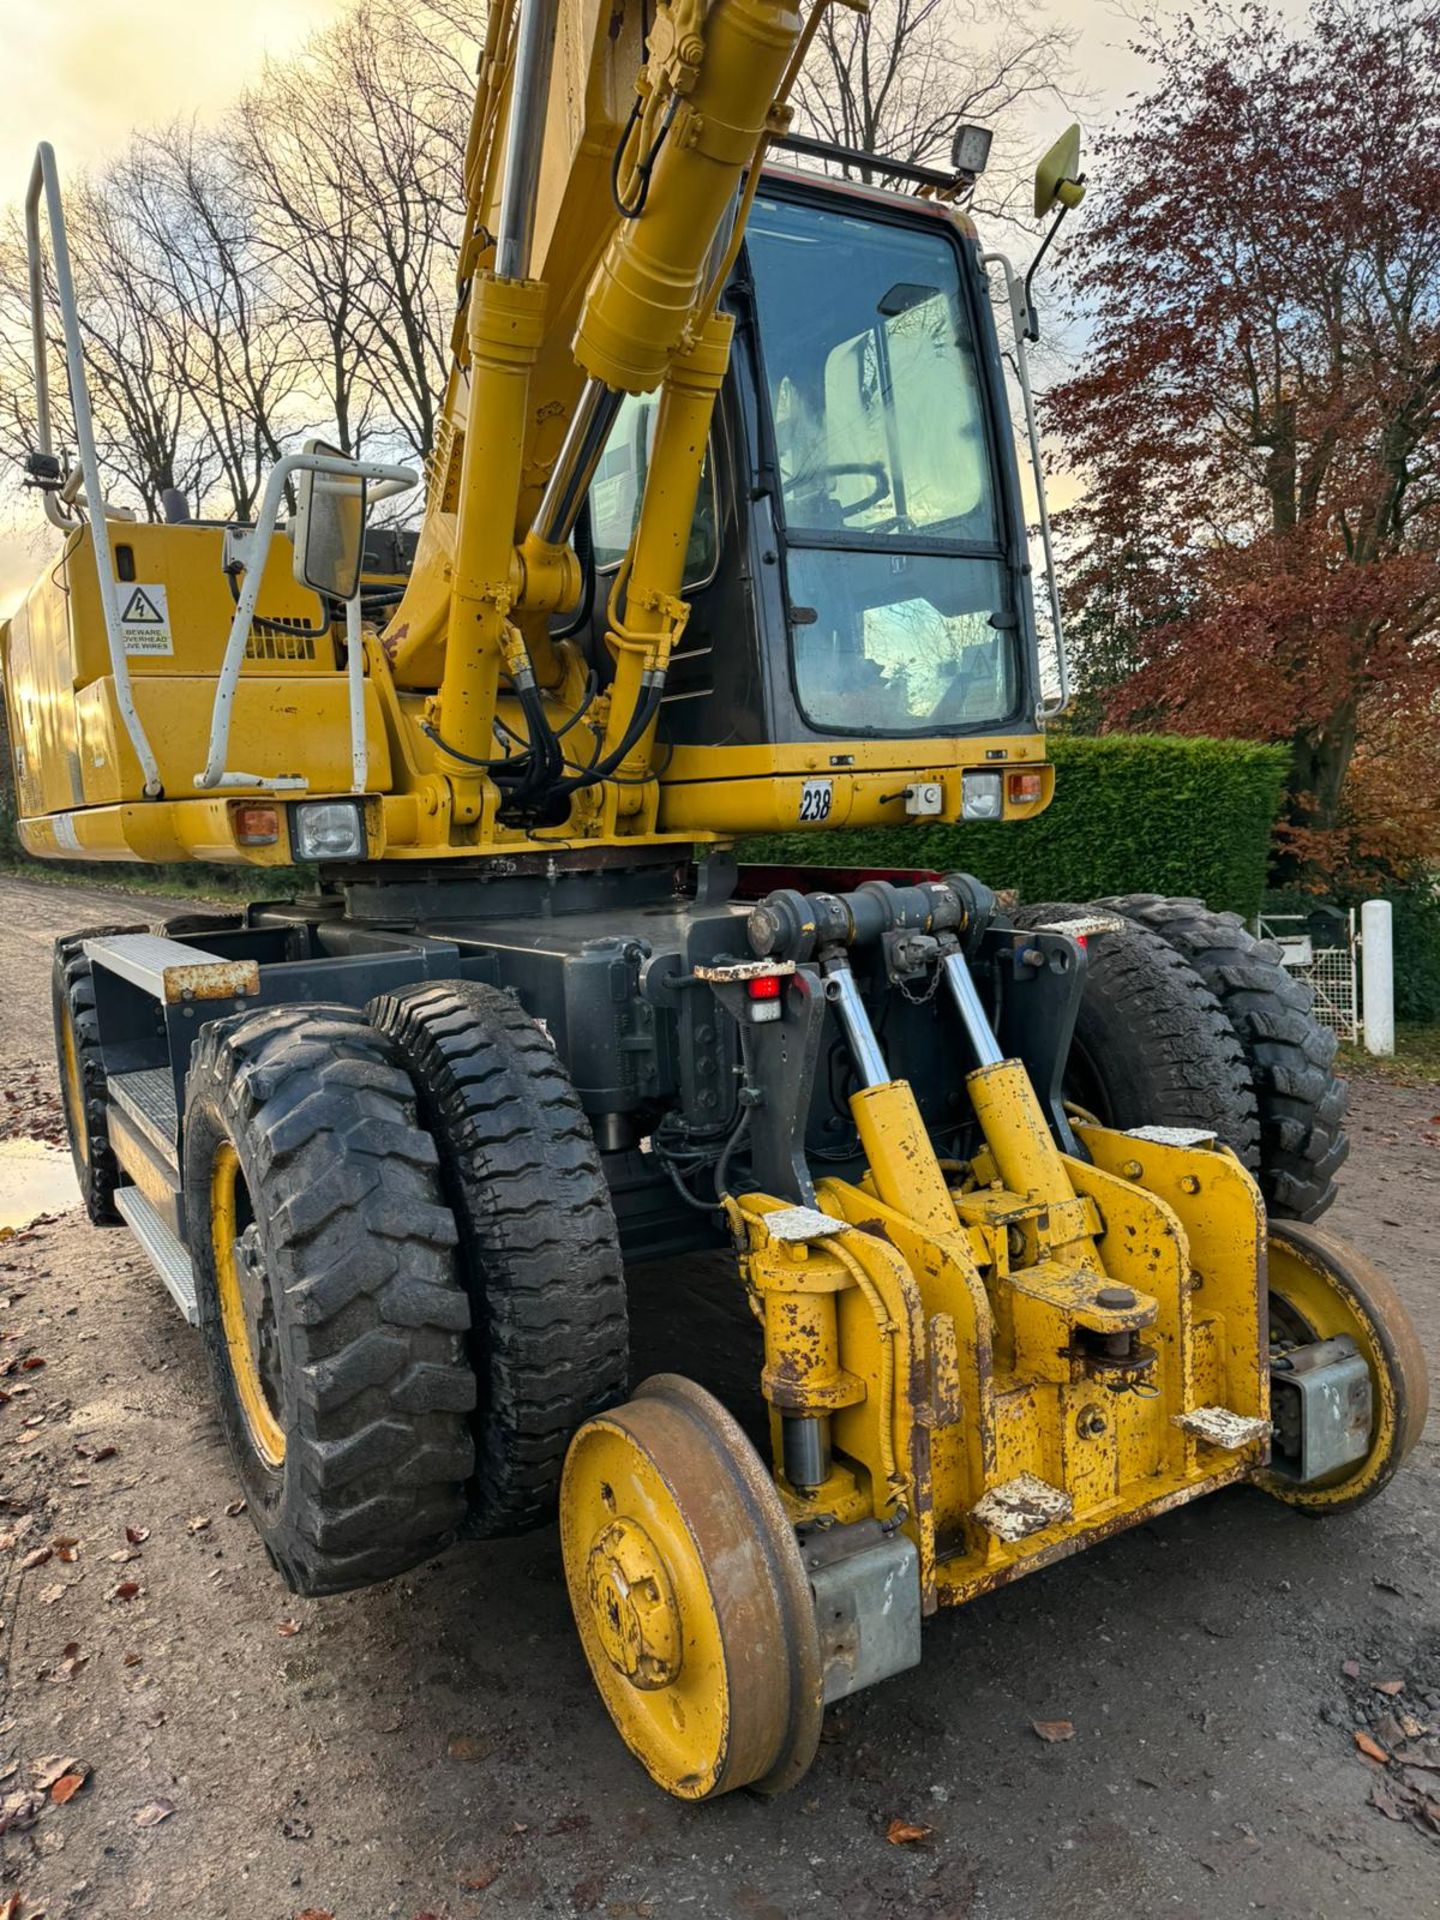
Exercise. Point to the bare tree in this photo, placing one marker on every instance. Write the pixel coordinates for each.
(899, 79)
(362, 206)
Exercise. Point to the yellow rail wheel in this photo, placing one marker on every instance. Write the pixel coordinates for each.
(81, 1070)
(690, 1595)
(328, 1294)
(1321, 1288)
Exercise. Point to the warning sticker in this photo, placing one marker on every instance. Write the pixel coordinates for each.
(144, 617)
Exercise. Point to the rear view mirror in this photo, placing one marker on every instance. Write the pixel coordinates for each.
(329, 528)
(1058, 181)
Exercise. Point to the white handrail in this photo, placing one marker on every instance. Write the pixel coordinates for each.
(1023, 324)
(45, 178)
(257, 547)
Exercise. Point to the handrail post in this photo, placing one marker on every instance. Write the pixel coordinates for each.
(44, 178)
(1020, 325)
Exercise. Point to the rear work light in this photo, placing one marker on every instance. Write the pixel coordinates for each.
(763, 993)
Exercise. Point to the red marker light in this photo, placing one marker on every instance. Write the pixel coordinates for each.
(765, 986)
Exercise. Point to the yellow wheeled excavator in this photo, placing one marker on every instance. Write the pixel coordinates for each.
(722, 533)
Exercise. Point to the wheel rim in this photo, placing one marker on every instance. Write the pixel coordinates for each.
(247, 1314)
(684, 1598)
(74, 1088)
(1320, 1290)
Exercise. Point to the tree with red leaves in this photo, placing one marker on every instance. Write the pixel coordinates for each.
(1257, 551)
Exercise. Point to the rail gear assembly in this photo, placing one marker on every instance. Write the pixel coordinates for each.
(722, 533)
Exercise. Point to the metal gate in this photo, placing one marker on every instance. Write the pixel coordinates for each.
(1330, 970)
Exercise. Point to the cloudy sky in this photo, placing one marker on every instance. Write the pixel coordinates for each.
(84, 74)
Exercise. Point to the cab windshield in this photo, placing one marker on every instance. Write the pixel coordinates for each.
(901, 603)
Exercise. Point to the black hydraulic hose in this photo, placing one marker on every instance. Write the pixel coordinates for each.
(640, 720)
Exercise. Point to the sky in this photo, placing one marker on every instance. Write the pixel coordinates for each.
(84, 74)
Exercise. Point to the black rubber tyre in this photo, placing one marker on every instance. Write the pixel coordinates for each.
(82, 1072)
(361, 1334)
(1152, 1046)
(1290, 1056)
(541, 1248)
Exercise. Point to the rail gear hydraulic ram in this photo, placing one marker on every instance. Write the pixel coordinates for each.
(722, 533)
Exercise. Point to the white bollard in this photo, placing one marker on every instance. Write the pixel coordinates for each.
(1377, 975)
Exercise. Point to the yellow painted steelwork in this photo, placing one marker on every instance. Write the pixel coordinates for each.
(1059, 1324)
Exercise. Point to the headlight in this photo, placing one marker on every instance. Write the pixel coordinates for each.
(980, 796)
(328, 830)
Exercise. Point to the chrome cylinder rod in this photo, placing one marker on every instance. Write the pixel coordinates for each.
(841, 991)
(805, 1449)
(525, 137)
(576, 462)
(962, 991)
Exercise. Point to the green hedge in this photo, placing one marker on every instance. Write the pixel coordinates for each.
(1132, 813)
(1417, 951)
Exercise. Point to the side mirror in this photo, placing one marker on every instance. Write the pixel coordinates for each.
(1058, 181)
(329, 528)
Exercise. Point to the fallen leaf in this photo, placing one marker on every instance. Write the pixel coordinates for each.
(1351, 1669)
(137, 1536)
(67, 1786)
(904, 1833)
(125, 1590)
(105, 1453)
(198, 1524)
(234, 1507)
(36, 1557)
(1371, 1749)
(10, 1906)
(480, 1878)
(68, 1554)
(30, 1363)
(288, 1629)
(122, 1554)
(1054, 1730)
(49, 1595)
(132, 1659)
(315, 1913)
(48, 1769)
(1391, 1687)
(153, 1812)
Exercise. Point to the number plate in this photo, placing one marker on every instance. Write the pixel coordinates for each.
(816, 798)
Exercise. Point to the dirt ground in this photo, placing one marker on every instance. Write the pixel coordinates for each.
(434, 1747)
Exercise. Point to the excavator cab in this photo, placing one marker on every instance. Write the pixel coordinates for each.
(858, 566)
(722, 533)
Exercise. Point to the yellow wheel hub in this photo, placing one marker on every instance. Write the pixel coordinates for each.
(74, 1089)
(246, 1313)
(636, 1616)
(690, 1595)
(1321, 1288)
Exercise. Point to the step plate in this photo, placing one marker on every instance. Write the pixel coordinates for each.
(170, 1259)
(1022, 1506)
(149, 1099)
(172, 971)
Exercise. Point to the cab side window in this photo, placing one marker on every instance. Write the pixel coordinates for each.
(620, 480)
